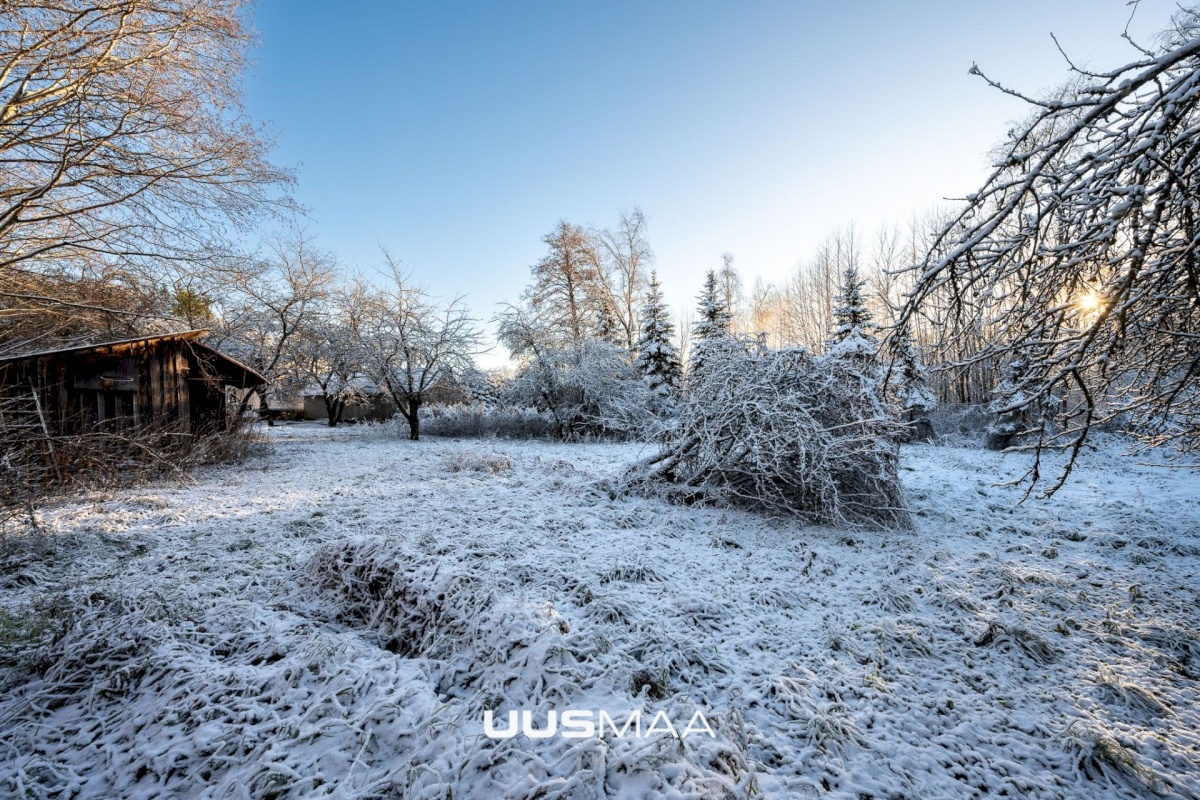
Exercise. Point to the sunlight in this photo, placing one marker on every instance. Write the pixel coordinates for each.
(1089, 302)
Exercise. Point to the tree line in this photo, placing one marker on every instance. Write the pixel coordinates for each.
(1064, 292)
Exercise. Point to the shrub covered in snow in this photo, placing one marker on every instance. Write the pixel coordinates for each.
(480, 420)
(960, 425)
(785, 432)
(475, 461)
(590, 390)
(34, 468)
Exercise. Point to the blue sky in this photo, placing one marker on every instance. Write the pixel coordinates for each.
(456, 134)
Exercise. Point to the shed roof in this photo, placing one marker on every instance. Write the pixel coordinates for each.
(228, 367)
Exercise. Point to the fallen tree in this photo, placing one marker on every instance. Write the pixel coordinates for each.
(785, 432)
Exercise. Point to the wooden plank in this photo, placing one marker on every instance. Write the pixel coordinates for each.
(169, 358)
(64, 401)
(181, 370)
(156, 397)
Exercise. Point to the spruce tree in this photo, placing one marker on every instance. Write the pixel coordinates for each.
(912, 392)
(607, 329)
(657, 361)
(714, 321)
(851, 313)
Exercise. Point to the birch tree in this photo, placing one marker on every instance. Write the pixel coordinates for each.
(564, 283)
(624, 259)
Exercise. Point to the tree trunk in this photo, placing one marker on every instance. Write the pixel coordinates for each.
(916, 428)
(333, 410)
(264, 410)
(412, 415)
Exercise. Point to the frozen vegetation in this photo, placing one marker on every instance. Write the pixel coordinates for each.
(333, 619)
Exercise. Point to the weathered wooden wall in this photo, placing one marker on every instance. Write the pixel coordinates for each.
(157, 384)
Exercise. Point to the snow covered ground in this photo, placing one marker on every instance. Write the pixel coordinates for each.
(334, 618)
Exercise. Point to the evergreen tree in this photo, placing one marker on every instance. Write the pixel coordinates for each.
(1012, 404)
(912, 392)
(851, 313)
(657, 361)
(714, 321)
(607, 327)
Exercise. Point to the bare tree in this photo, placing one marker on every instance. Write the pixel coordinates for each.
(124, 149)
(412, 343)
(624, 260)
(269, 302)
(799, 313)
(730, 281)
(1080, 253)
(565, 282)
(328, 354)
(684, 324)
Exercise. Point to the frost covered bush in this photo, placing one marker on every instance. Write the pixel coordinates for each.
(590, 390)
(472, 461)
(35, 469)
(479, 421)
(783, 431)
(960, 425)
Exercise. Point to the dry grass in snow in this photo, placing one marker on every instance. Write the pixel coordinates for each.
(333, 619)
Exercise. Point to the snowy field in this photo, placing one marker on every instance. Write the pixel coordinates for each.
(334, 618)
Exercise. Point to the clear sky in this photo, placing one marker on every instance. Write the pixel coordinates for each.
(457, 134)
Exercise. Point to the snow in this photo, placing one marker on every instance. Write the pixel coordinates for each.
(333, 619)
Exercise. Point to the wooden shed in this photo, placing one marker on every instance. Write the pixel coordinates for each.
(170, 382)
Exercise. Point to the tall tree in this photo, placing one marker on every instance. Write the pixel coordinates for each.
(1079, 254)
(657, 360)
(564, 283)
(126, 152)
(624, 258)
(730, 283)
(683, 335)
